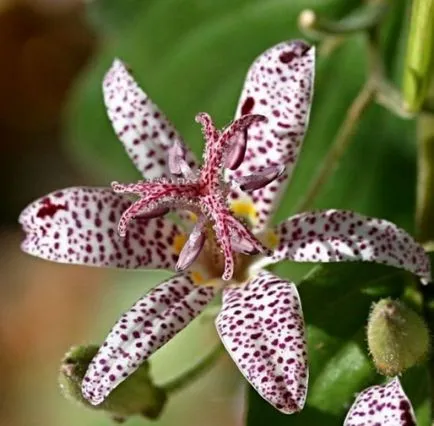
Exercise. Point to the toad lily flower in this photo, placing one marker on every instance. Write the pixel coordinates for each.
(385, 405)
(246, 167)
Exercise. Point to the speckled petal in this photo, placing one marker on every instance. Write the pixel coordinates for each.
(343, 236)
(148, 325)
(79, 226)
(139, 124)
(385, 405)
(262, 328)
(278, 86)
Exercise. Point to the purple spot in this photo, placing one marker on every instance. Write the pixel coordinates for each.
(49, 209)
(287, 57)
(248, 105)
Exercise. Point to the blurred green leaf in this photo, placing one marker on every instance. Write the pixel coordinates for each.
(114, 15)
(418, 388)
(336, 301)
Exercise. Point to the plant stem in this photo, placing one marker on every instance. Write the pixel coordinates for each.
(193, 373)
(425, 207)
(376, 88)
(343, 138)
(425, 179)
(358, 20)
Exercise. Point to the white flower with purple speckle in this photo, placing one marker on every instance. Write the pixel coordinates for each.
(385, 405)
(226, 205)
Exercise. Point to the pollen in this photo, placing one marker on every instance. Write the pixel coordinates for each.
(178, 242)
(270, 239)
(197, 277)
(246, 210)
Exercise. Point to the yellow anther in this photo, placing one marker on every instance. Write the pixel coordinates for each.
(270, 239)
(178, 242)
(197, 277)
(192, 217)
(213, 282)
(246, 210)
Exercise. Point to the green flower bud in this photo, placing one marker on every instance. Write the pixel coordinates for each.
(137, 395)
(419, 61)
(397, 337)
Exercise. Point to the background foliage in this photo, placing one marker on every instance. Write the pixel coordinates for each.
(191, 56)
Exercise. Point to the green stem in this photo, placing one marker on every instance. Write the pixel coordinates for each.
(339, 146)
(376, 88)
(425, 179)
(193, 373)
(390, 98)
(425, 207)
(361, 19)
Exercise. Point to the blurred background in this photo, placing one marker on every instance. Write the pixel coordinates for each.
(190, 56)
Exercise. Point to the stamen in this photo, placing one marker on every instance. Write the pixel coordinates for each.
(237, 150)
(243, 246)
(243, 236)
(193, 246)
(177, 162)
(176, 154)
(260, 179)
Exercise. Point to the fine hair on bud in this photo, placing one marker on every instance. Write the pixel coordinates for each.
(398, 337)
(136, 396)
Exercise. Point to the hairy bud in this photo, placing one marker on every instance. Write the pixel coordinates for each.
(397, 337)
(137, 395)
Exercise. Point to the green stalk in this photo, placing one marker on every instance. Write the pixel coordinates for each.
(425, 178)
(195, 372)
(362, 19)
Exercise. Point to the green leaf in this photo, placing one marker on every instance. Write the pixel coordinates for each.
(417, 386)
(114, 15)
(336, 301)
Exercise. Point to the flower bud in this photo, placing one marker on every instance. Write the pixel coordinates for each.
(397, 337)
(137, 395)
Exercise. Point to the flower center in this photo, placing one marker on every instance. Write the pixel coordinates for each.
(204, 193)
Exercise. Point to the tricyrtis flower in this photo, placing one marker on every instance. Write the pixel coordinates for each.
(232, 198)
(204, 192)
(385, 405)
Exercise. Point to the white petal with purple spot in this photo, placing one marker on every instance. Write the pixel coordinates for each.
(279, 86)
(343, 236)
(385, 405)
(262, 328)
(148, 325)
(139, 124)
(80, 226)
